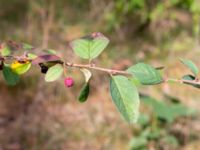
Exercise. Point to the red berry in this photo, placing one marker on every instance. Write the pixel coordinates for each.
(69, 82)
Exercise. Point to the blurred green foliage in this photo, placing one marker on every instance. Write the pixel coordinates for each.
(155, 126)
(142, 12)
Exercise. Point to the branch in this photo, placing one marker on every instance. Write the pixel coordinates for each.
(92, 66)
(182, 81)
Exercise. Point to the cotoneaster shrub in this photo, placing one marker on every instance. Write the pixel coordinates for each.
(123, 91)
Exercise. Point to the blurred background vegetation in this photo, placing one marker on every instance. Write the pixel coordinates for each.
(35, 115)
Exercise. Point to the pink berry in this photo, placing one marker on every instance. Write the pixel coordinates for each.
(69, 82)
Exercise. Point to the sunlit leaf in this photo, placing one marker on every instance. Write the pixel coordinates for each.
(126, 98)
(54, 73)
(20, 68)
(145, 73)
(91, 46)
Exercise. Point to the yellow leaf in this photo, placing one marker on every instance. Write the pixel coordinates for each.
(20, 68)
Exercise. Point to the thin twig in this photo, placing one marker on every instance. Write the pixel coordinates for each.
(196, 82)
(92, 66)
(68, 64)
(110, 71)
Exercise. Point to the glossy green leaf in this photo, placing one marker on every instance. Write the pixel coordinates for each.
(145, 73)
(126, 98)
(10, 77)
(191, 65)
(91, 46)
(84, 92)
(54, 73)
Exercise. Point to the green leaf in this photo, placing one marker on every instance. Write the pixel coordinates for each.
(189, 77)
(191, 66)
(10, 77)
(54, 73)
(135, 81)
(168, 112)
(99, 43)
(143, 119)
(20, 68)
(126, 98)
(84, 92)
(160, 109)
(91, 46)
(5, 51)
(155, 133)
(138, 143)
(145, 73)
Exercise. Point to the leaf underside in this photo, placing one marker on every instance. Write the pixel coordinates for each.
(54, 73)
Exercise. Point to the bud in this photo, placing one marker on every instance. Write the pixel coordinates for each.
(69, 82)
